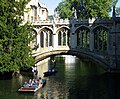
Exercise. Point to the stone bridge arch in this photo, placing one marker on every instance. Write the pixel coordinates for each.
(80, 54)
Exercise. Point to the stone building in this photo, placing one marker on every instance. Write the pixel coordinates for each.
(35, 11)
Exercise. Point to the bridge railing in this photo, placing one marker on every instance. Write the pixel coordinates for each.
(61, 21)
(51, 22)
(46, 22)
(64, 21)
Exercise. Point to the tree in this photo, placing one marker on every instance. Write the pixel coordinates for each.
(14, 37)
(85, 8)
(64, 9)
(118, 11)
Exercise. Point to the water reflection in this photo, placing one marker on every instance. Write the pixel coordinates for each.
(74, 80)
(43, 66)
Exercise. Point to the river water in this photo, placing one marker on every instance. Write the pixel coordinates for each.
(75, 79)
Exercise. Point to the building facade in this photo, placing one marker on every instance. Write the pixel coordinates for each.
(35, 11)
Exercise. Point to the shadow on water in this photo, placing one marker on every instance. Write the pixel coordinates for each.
(6, 75)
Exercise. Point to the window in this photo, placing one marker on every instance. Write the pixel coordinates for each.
(43, 12)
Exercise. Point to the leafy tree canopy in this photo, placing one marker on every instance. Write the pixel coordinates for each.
(14, 38)
(86, 8)
(118, 11)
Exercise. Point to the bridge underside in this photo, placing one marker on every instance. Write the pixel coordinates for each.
(99, 59)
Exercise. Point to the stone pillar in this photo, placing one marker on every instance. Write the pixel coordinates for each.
(38, 40)
(114, 45)
(48, 38)
(81, 42)
(55, 41)
(98, 41)
(55, 36)
(73, 36)
(91, 41)
(44, 39)
(103, 40)
(61, 38)
(73, 41)
(66, 38)
(85, 36)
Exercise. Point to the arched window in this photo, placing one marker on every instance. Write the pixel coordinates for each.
(100, 38)
(83, 37)
(64, 36)
(46, 37)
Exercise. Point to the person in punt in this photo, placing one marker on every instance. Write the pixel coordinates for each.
(30, 82)
(33, 81)
(34, 86)
(40, 80)
(26, 85)
(39, 83)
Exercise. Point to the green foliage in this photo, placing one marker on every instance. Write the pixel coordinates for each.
(14, 38)
(64, 10)
(114, 2)
(86, 8)
(118, 11)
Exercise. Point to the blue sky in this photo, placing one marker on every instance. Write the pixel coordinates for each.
(52, 4)
(118, 4)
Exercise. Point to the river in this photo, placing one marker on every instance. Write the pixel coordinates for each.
(75, 79)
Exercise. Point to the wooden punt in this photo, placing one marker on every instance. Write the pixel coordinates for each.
(31, 89)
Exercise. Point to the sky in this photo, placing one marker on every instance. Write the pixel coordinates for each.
(118, 4)
(52, 4)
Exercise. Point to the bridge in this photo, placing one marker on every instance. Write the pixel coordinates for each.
(95, 39)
